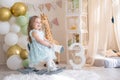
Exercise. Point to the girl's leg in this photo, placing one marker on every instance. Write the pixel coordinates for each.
(51, 65)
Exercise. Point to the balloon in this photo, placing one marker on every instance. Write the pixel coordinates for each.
(25, 63)
(22, 42)
(15, 28)
(14, 62)
(5, 14)
(11, 38)
(5, 47)
(19, 9)
(22, 20)
(14, 50)
(24, 29)
(4, 27)
(8, 3)
(24, 54)
(12, 20)
(27, 16)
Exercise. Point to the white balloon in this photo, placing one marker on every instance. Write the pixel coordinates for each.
(12, 20)
(5, 47)
(14, 62)
(15, 28)
(11, 39)
(22, 42)
(7, 3)
(4, 27)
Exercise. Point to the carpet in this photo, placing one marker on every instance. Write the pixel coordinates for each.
(64, 75)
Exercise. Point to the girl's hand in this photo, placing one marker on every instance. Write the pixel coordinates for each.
(51, 45)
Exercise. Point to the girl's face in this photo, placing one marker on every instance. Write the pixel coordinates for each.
(37, 24)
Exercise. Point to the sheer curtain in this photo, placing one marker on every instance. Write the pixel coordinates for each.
(116, 15)
(93, 23)
(105, 24)
(112, 41)
(100, 14)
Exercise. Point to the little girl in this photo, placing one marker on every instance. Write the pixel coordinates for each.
(40, 47)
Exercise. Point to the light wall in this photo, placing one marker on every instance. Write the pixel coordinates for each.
(2, 53)
(59, 32)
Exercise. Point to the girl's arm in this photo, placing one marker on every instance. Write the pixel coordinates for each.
(47, 40)
(39, 40)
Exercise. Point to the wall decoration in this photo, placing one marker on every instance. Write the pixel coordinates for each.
(59, 3)
(55, 21)
(14, 31)
(80, 59)
(41, 7)
(48, 6)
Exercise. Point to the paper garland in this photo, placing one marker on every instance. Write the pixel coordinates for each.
(59, 3)
(41, 7)
(48, 6)
(55, 21)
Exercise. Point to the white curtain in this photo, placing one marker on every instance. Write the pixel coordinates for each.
(116, 15)
(100, 14)
(93, 23)
(106, 34)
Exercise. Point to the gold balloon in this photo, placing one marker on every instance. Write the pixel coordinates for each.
(24, 54)
(18, 9)
(14, 50)
(5, 14)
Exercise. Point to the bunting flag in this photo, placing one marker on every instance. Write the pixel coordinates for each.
(41, 7)
(54, 6)
(48, 6)
(59, 3)
(55, 21)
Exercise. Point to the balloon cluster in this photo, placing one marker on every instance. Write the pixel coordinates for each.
(13, 26)
(17, 57)
(17, 9)
(5, 14)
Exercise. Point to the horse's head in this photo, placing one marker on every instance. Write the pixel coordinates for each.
(43, 17)
(44, 20)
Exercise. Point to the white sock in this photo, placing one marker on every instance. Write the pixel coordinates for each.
(58, 48)
(51, 65)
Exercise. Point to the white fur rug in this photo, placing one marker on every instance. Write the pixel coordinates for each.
(65, 75)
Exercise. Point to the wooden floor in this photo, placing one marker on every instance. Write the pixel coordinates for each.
(105, 73)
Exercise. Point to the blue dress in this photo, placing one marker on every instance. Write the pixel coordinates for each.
(39, 52)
